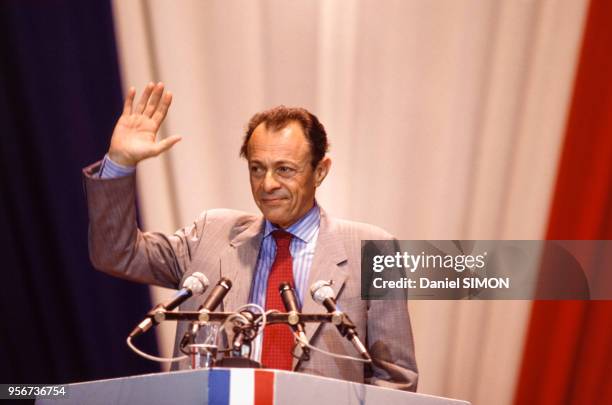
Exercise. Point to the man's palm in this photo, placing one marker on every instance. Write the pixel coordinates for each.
(134, 135)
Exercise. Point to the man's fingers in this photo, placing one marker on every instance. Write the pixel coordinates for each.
(129, 101)
(144, 98)
(166, 144)
(162, 108)
(156, 95)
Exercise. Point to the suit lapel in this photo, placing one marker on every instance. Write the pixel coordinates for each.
(326, 265)
(238, 263)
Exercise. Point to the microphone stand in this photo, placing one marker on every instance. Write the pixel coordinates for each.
(245, 329)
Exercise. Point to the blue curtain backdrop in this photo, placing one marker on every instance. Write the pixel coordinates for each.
(60, 93)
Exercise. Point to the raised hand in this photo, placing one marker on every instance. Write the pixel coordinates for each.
(134, 135)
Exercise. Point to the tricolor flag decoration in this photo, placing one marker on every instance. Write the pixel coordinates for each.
(241, 387)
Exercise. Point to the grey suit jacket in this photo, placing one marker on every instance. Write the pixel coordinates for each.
(226, 243)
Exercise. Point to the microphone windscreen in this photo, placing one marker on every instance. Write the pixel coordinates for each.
(197, 283)
(321, 290)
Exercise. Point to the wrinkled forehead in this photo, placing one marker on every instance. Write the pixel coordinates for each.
(285, 144)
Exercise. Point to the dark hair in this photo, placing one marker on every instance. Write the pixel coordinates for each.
(278, 117)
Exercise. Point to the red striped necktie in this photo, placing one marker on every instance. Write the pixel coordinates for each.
(278, 339)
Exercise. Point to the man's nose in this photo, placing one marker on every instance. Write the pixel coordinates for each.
(269, 182)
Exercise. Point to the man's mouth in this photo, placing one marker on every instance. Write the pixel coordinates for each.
(272, 201)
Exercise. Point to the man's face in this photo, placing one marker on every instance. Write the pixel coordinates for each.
(283, 181)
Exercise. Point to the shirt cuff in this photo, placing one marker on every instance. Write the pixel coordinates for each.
(111, 170)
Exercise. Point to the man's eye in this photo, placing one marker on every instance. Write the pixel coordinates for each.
(285, 171)
(256, 170)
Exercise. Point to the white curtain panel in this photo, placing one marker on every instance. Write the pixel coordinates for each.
(445, 117)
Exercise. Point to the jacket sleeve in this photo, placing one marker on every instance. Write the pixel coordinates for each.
(391, 346)
(389, 332)
(119, 248)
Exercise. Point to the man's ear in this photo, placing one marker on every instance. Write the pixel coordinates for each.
(321, 170)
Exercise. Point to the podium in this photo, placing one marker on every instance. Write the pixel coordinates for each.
(237, 386)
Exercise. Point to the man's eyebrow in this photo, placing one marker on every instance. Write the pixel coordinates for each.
(285, 161)
(275, 163)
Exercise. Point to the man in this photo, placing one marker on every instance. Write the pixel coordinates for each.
(294, 241)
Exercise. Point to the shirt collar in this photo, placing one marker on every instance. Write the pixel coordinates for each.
(302, 228)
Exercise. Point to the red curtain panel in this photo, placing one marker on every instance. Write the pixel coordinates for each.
(568, 353)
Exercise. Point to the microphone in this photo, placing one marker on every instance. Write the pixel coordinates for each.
(323, 294)
(195, 284)
(290, 302)
(242, 331)
(214, 298)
